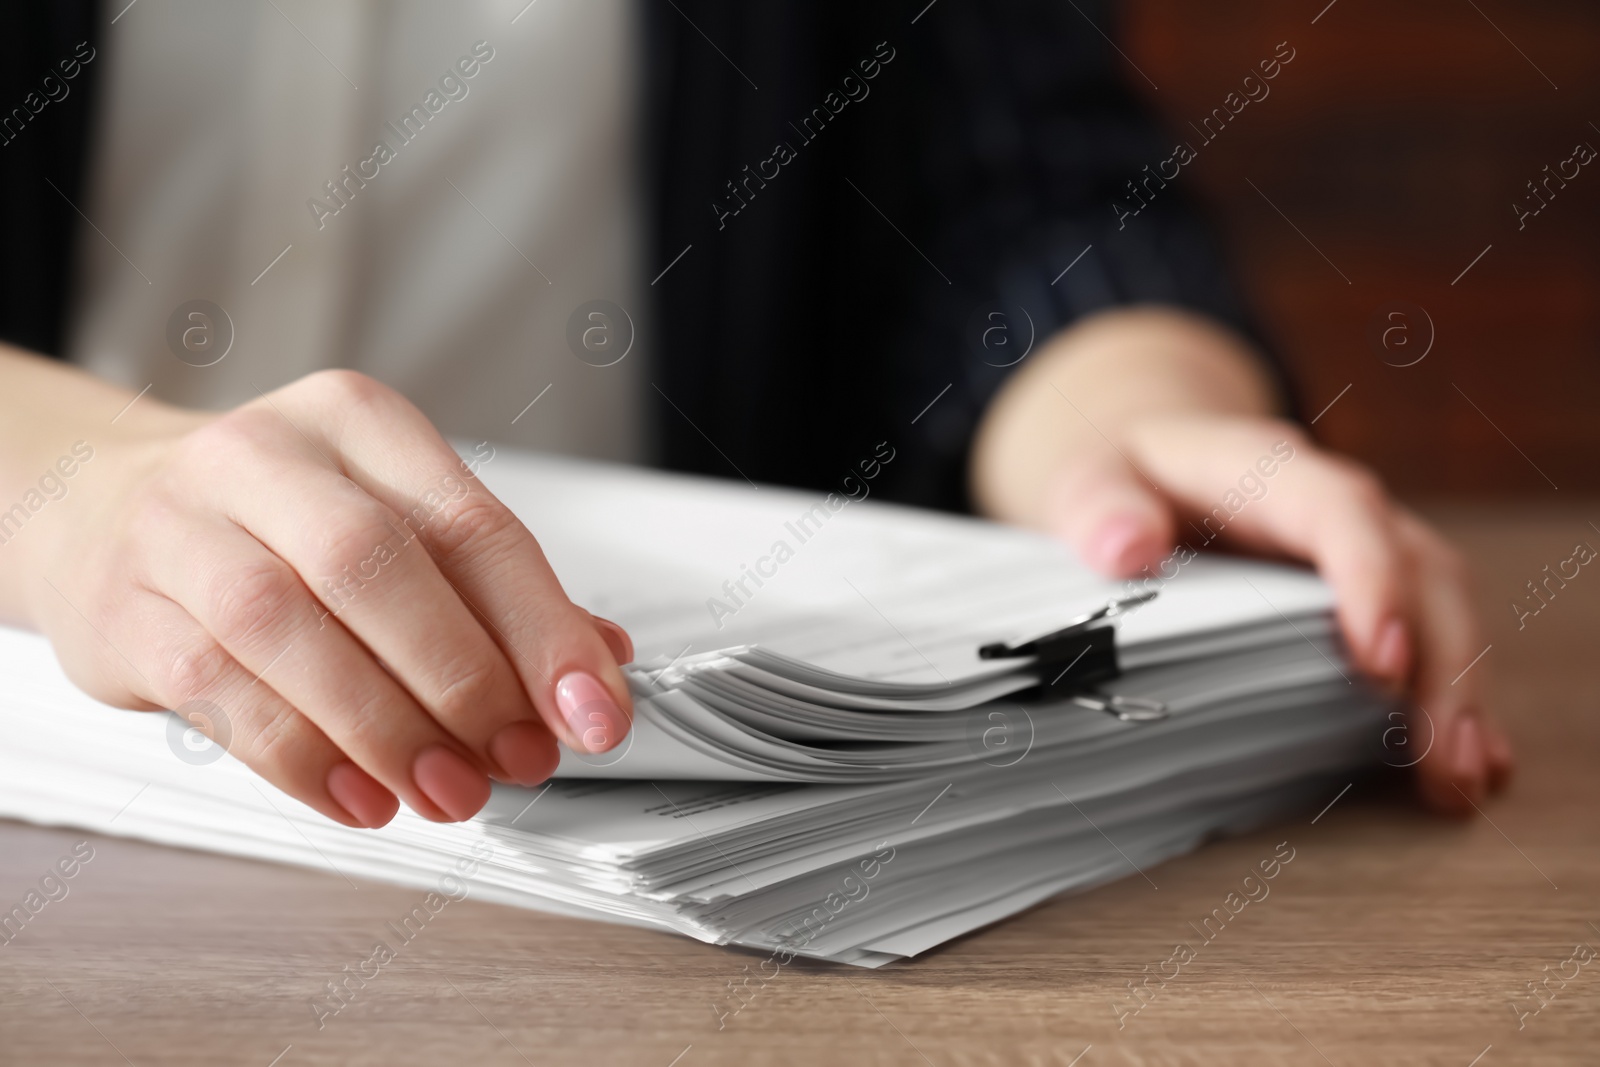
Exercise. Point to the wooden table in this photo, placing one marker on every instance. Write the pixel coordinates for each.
(1393, 937)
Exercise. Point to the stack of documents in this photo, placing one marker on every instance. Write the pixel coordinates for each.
(822, 762)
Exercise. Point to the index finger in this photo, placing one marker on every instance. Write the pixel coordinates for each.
(494, 563)
(1263, 486)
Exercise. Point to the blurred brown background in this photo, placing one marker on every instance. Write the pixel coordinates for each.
(1398, 140)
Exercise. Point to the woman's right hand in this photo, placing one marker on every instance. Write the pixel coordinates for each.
(321, 567)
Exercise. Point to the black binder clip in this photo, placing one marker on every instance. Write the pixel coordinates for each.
(1075, 659)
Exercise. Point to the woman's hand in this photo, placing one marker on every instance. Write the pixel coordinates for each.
(322, 567)
(1140, 429)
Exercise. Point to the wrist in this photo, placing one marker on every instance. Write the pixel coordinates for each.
(1092, 384)
(65, 492)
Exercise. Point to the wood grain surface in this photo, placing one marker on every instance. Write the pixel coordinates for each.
(1391, 937)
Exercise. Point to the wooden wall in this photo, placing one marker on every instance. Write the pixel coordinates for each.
(1398, 140)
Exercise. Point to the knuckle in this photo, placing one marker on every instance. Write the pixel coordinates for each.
(470, 523)
(236, 432)
(193, 670)
(345, 386)
(358, 543)
(361, 720)
(251, 601)
(273, 744)
(371, 724)
(467, 688)
(215, 448)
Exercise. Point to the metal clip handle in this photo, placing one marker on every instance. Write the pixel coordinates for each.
(1042, 645)
(1074, 660)
(1128, 709)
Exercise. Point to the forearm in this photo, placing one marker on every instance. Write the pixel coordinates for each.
(54, 418)
(1093, 380)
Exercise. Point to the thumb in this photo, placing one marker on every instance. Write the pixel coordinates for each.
(1110, 515)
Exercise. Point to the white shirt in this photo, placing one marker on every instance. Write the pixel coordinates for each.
(454, 261)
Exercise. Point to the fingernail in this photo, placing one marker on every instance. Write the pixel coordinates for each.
(620, 643)
(451, 782)
(1499, 746)
(1114, 546)
(358, 793)
(1391, 652)
(1468, 761)
(526, 753)
(1501, 762)
(591, 714)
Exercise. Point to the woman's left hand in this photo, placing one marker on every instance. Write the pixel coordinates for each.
(1140, 429)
